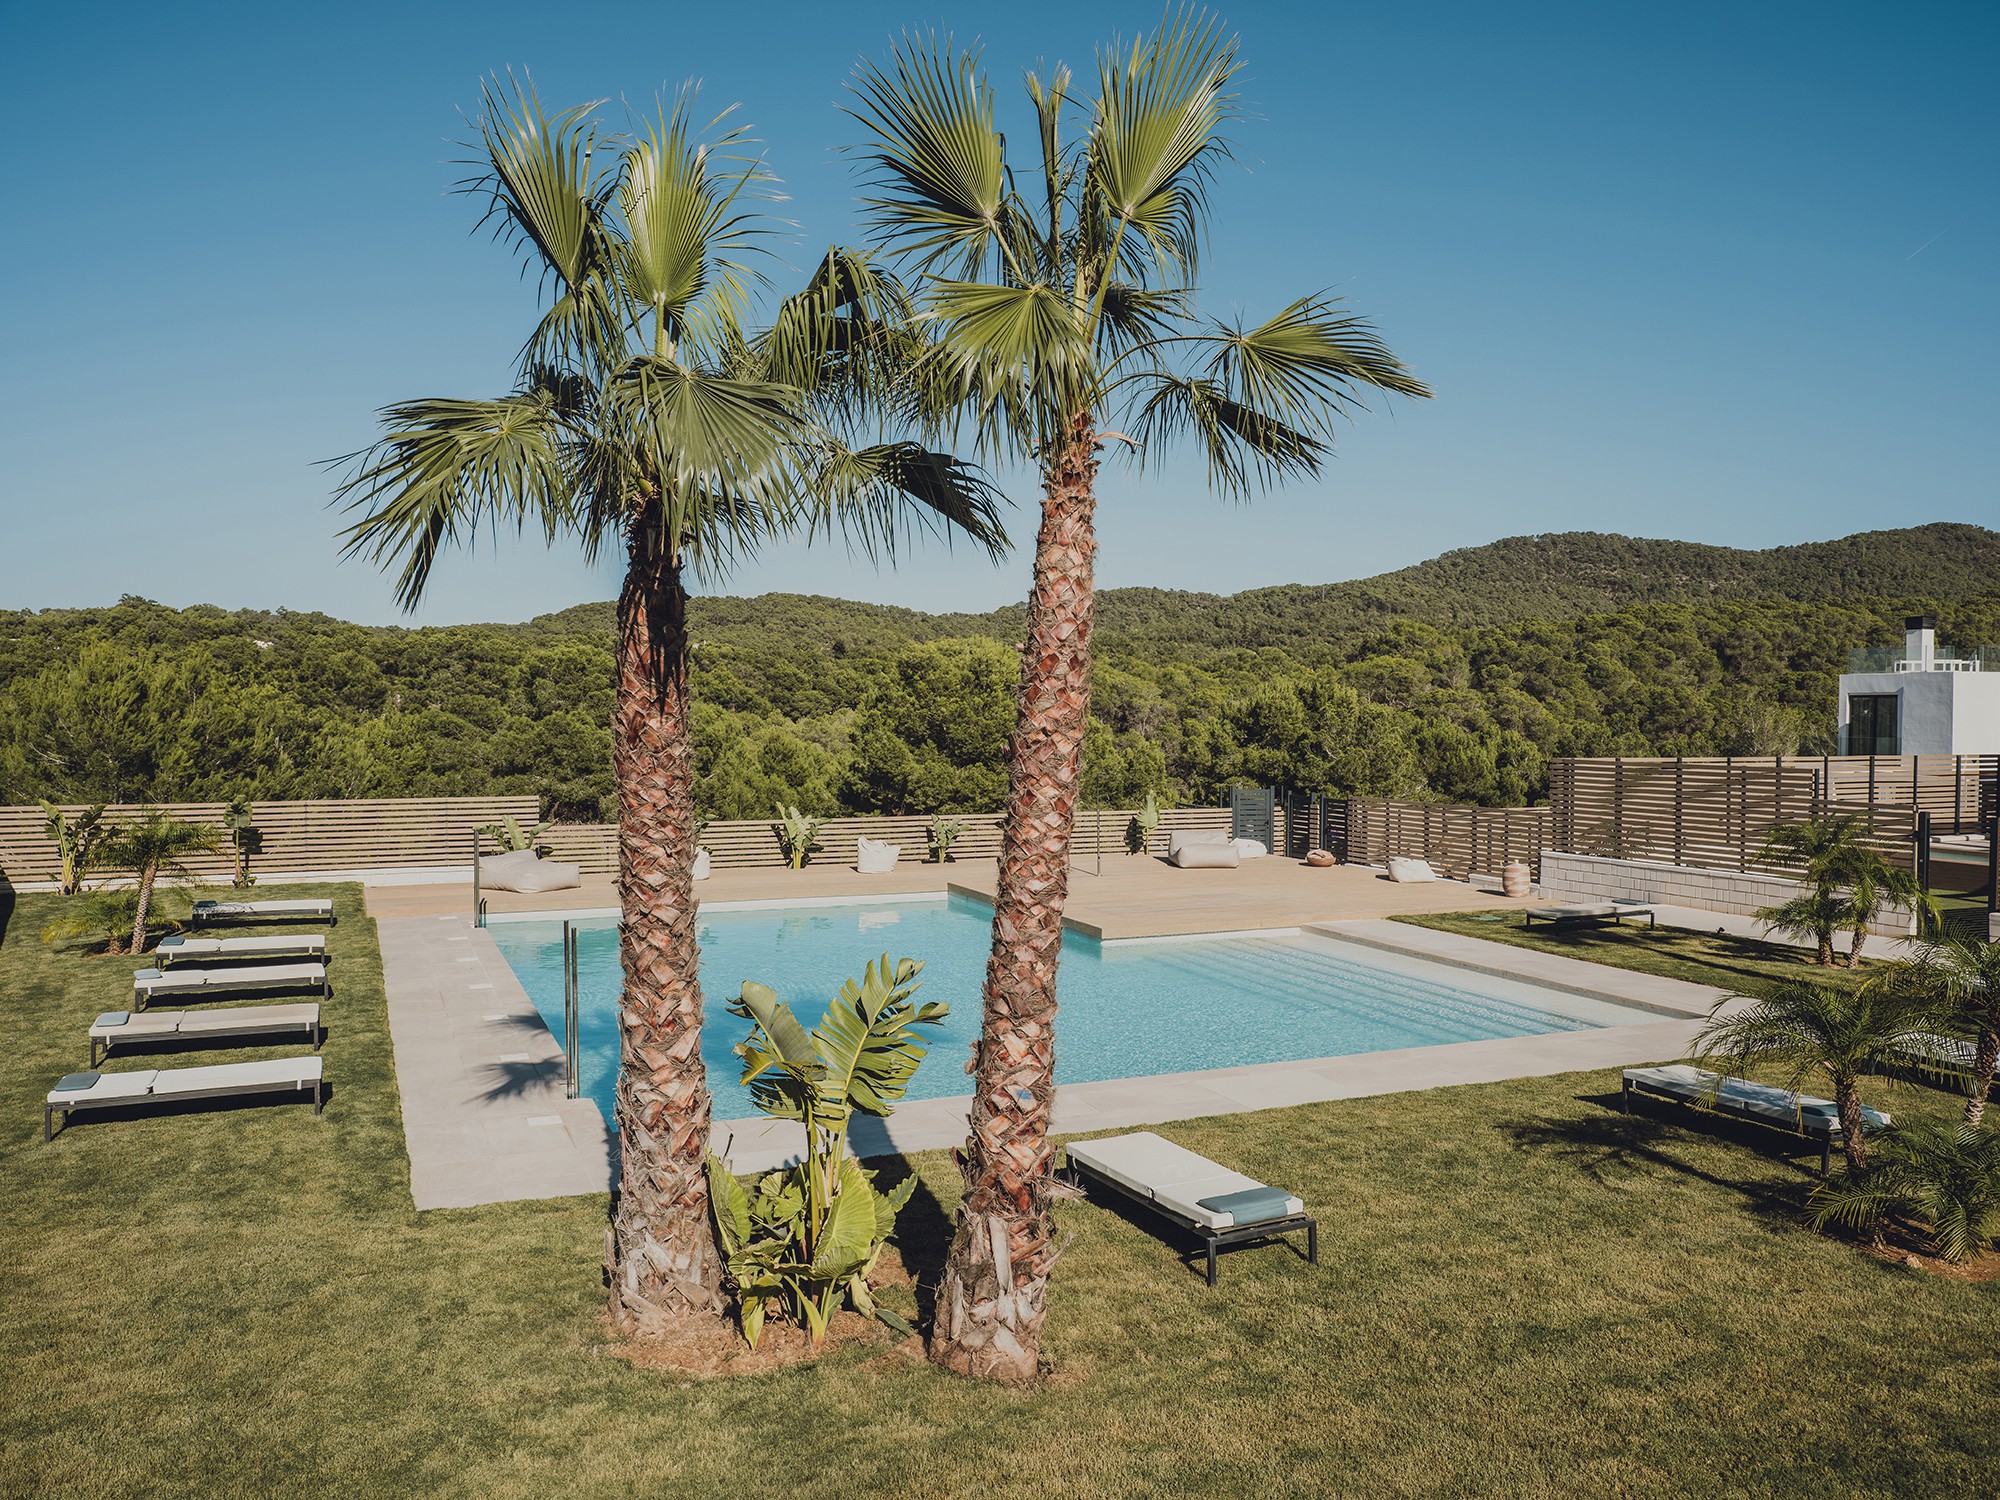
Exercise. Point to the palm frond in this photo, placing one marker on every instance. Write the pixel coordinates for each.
(547, 194)
(936, 163)
(1245, 448)
(683, 254)
(446, 467)
(879, 495)
(1157, 137)
(1307, 363)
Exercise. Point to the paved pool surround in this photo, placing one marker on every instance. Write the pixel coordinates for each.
(488, 1120)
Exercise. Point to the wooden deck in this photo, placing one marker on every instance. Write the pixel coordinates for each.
(1135, 896)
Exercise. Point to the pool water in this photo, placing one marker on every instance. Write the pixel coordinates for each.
(1128, 1010)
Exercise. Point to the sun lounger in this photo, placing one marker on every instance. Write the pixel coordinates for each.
(310, 910)
(82, 1091)
(125, 1028)
(1816, 1119)
(1592, 911)
(180, 950)
(227, 984)
(1223, 1209)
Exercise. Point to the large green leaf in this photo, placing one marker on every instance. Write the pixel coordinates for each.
(730, 1205)
(847, 1237)
(866, 1041)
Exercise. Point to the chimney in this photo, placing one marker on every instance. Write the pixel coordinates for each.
(1920, 643)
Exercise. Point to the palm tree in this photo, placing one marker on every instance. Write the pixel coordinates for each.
(1814, 913)
(1873, 884)
(1963, 973)
(1945, 1177)
(79, 842)
(1809, 1030)
(1848, 884)
(1060, 304)
(650, 415)
(155, 846)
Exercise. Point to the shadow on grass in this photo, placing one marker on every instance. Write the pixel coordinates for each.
(922, 1237)
(1615, 1149)
(1746, 957)
(6, 904)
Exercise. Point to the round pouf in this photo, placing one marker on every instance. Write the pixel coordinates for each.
(1514, 878)
(1319, 859)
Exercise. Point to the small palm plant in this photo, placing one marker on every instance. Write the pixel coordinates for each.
(800, 1240)
(1811, 1031)
(156, 847)
(798, 835)
(102, 920)
(1145, 823)
(79, 842)
(1963, 973)
(1848, 884)
(1943, 1179)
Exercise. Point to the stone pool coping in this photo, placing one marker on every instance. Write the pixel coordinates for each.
(487, 1118)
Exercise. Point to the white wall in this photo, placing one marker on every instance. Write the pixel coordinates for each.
(1938, 713)
(1589, 878)
(1975, 713)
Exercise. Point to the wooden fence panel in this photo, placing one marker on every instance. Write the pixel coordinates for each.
(363, 833)
(1457, 839)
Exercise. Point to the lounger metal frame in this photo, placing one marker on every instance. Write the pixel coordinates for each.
(1615, 918)
(1724, 1106)
(316, 1030)
(50, 1108)
(1214, 1241)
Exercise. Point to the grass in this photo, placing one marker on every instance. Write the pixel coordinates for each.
(1522, 1293)
(1745, 965)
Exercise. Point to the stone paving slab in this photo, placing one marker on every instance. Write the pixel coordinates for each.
(485, 1112)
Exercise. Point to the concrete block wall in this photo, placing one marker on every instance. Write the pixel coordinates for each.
(1580, 878)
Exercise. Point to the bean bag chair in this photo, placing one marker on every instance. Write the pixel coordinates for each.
(874, 857)
(1205, 854)
(523, 870)
(1406, 870)
(701, 864)
(1250, 848)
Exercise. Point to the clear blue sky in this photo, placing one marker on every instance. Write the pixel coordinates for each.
(1723, 272)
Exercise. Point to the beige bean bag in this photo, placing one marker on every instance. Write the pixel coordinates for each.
(1203, 849)
(523, 870)
(875, 857)
(1407, 870)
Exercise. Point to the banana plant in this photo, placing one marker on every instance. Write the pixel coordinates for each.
(513, 838)
(945, 830)
(798, 835)
(1145, 823)
(801, 1239)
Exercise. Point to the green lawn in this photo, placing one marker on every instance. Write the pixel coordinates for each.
(1714, 958)
(1522, 1292)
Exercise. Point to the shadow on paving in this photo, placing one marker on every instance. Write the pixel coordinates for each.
(1614, 1148)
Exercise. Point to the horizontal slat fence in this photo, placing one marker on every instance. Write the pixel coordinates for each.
(752, 843)
(344, 834)
(1712, 812)
(1458, 840)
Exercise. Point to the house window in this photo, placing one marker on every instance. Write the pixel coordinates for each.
(1871, 724)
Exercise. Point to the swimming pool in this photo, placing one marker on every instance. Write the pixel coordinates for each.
(1168, 1005)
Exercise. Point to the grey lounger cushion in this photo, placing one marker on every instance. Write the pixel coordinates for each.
(220, 984)
(187, 1083)
(1172, 1176)
(1740, 1096)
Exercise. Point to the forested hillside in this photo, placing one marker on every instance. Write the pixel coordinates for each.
(1459, 678)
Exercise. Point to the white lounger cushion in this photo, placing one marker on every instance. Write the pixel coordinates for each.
(210, 910)
(1407, 870)
(1172, 1176)
(109, 1087)
(258, 976)
(247, 1077)
(305, 944)
(195, 1022)
(1741, 1096)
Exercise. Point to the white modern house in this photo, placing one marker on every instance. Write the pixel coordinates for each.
(1921, 701)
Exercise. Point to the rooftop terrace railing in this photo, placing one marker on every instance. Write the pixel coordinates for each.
(1947, 659)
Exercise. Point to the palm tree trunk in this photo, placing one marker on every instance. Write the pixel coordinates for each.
(661, 1255)
(1853, 1143)
(991, 1301)
(147, 874)
(1985, 1058)
(1825, 956)
(1859, 936)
